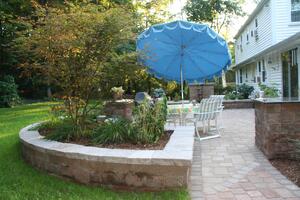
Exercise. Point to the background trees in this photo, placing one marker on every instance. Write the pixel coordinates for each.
(28, 24)
(74, 47)
(217, 13)
(24, 24)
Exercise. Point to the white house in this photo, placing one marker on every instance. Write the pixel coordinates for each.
(267, 47)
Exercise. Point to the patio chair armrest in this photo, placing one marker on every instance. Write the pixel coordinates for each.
(203, 113)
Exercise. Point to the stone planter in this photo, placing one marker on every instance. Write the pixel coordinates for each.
(117, 168)
(118, 96)
(121, 108)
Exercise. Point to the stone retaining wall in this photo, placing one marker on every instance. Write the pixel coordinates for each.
(238, 104)
(118, 168)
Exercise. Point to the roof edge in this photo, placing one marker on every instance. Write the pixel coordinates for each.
(251, 17)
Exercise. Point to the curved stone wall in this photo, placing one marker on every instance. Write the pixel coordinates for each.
(119, 168)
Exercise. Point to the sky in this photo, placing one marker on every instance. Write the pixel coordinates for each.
(248, 7)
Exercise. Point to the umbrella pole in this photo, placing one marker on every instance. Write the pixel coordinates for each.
(182, 98)
(181, 82)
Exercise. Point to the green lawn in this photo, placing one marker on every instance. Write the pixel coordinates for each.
(18, 180)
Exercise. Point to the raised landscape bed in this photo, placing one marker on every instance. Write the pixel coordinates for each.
(238, 104)
(118, 168)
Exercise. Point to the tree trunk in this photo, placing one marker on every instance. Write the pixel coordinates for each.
(49, 92)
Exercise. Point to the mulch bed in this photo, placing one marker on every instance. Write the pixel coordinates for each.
(159, 145)
(289, 168)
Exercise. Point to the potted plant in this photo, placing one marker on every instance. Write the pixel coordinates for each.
(117, 93)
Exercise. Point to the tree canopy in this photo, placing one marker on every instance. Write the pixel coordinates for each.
(217, 13)
(47, 42)
(43, 24)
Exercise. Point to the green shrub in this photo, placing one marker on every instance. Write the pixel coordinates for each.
(147, 126)
(114, 132)
(8, 92)
(220, 90)
(242, 92)
(59, 130)
(149, 121)
(270, 92)
(229, 88)
(232, 95)
(245, 91)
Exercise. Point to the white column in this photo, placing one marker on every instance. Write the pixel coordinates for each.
(236, 76)
(224, 79)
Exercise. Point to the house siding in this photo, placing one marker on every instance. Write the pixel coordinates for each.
(273, 71)
(283, 27)
(265, 37)
(274, 26)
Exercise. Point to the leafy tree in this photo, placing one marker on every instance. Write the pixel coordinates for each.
(152, 11)
(8, 92)
(73, 48)
(217, 13)
(18, 17)
(18, 52)
(10, 24)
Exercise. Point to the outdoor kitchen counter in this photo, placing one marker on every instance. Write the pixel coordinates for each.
(278, 100)
(277, 125)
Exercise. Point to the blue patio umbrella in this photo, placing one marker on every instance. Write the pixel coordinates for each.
(183, 51)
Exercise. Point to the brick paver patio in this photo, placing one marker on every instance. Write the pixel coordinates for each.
(231, 167)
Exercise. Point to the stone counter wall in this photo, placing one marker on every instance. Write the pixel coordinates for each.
(276, 124)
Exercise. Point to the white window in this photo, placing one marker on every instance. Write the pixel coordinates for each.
(255, 32)
(241, 76)
(241, 46)
(247, 38)
(295, 11)
(261, 71)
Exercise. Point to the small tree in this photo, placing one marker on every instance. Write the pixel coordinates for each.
(217, 13)
(72, 49)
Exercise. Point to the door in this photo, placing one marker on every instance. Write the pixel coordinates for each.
(290, 73)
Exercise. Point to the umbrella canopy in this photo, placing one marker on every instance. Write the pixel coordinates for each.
(181, 50)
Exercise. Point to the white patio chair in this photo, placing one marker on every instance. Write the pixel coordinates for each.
(207, 110)
(219, 99)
